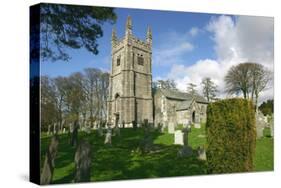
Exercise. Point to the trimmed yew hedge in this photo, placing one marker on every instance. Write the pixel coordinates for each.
(231, 136)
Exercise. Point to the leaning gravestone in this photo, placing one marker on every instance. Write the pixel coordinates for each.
(83, 162)
(49, 163)
(179, 137)
(171, 128)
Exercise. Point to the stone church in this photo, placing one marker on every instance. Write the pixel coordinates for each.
(130, 82)
(130, 87)
(178, 107)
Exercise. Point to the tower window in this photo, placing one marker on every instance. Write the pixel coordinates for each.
(140, 60)
(118, 61)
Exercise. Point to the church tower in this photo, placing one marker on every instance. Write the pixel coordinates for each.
(130, 82)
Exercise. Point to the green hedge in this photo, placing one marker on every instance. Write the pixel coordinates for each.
(231, 136)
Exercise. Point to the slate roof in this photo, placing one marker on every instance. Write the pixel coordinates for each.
(184, 105)
(178, 95)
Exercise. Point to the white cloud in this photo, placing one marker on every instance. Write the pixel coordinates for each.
(237, 39)
(193, 31)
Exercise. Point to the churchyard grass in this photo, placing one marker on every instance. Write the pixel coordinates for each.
(122, 160)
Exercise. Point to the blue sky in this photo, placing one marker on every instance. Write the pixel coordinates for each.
(186, 46)
(165, 25)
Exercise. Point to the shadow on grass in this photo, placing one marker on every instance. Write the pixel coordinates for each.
(121, 161)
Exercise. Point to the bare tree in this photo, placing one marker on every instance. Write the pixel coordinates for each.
(260, 78)
(48, 103)
(60, 86)
(209, 88)
(248, 78)
(166, 84)
(75, 96)
(237, 80)
(191, 89)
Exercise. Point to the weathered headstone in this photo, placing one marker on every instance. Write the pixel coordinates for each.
(201, 153)
(108, 136)
(171, 127)
(271, 125)
(63, 130)
(116, 131)
(49, 163)
(197, 125)
(74, 138)
(100, 131)
(87, 129)
(83, 162)
(179, 139)
(260, 124)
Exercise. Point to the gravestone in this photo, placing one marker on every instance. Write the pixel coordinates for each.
(83, 162)
(100, 131)
(74, 137)
(63, 130)
(116, 131)
(49, 163)
(260, 124)
(55, 128)
(271, 126)
(179, 139)
(171, 128)
(108, 136)
(201, 153)
(186, 150)
(197, 125)
(146, 144)
(134, 124)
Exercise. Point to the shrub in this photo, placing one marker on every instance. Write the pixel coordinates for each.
(231, 136)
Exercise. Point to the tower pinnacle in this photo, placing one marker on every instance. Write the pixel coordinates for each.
(129, 26)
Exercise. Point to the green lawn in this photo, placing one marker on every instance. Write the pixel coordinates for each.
(122, 161)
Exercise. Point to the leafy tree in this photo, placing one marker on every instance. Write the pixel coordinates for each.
(209, 88)
(70, 26)
(267, 107)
